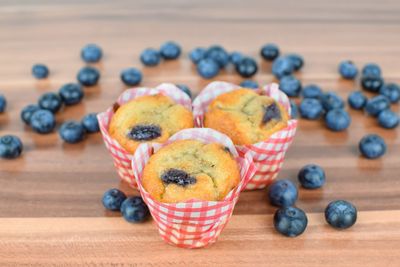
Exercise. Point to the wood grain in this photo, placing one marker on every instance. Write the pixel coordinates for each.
(50, 210)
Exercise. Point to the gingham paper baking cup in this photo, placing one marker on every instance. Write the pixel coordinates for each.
(268, 155)
(122, 158)
(194, 223)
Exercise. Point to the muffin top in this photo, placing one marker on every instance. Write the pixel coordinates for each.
(190, 169)
(245, 116)
(150, 118)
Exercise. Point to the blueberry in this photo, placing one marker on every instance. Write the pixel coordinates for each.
(312, 91)
(150, 57)
(282, 66)
(246, 67)
(294, 111)
(170, 50)
(72, 132)
(40, 71)
(269, 52)
(371, 69)
(185, 89)
(235, 57)
(311, 176)
(282, 193)
(311, 109)
(50, 101)
(88, 76)
(290, 221)
(331, 100)
(271, 111)
(131, 76)
(177, 177)
(27, 113)
(249, 84)
(10, 147)
(388, 119)
(113, 198)
(297, 61)
(197, 54)
(290, 85)
(218, 54)
(90, 123)
(71, 93)
(43, 121)
(144, 132)
(391, 91)
(3, 103)
(372, 146)
(91, 53)
(357, 100)
(134, 209)
(372, 83)
(348, 69)
(376, 105)
(207, 68)
(341, 214)
(337, 119)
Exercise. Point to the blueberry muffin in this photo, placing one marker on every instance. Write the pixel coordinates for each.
(150, 118)
(245, 116)
(190, 169)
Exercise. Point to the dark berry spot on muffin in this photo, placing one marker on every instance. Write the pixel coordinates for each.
(144, 132)
(271, 112)
(115, 107)
(177, 177)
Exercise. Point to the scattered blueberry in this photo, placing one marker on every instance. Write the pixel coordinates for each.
(10, 147)
(337, 119)
(312, 91)
(43, 121)
(218, 54)
(40, 71)
(50, 101)
(170, 50)
(88, 76)
(270, 52)
(71, 93)
(330, 100)
(294, 111)
(282, 193)
(131, 76)
(185, 89)
(372, 83)
(371, 69)
(311, 109)
(246, 67)
(297, 61)
(3, 103)
(197, 54)
(348, 69)
(235, 57)
(91, 53)
(27, 113)
(150, 57)
(207, 68)
(282, 66)
(249, 84)
(340, 214)
(357, 100)
(72, 132)
(311, 176)
(290, 85)
(376, 105)
(90, 123)
(388, 119)
(134, 209)
(391, 91)
(372, 146)
(113, 198)
(290, 221)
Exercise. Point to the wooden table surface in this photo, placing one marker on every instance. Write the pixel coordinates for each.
(50, 207)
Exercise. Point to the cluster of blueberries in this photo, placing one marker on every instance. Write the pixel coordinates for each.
(292, 221)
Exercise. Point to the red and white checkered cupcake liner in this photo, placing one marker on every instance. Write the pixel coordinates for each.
(268, 155)
(122, 158)
(194, 223)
